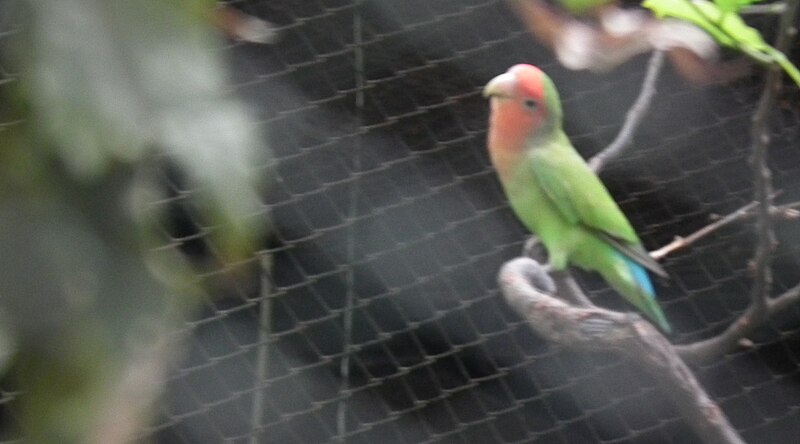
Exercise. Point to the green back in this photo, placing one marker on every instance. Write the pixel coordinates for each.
(576, 191)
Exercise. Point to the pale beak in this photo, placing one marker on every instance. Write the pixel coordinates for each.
(501, 86)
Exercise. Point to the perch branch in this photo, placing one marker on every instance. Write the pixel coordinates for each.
(634, 116)
(535, 250)
(528, 289)
(571, 290)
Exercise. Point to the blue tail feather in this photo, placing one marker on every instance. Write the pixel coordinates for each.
(642, 279)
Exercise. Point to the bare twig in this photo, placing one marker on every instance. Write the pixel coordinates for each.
(529, 289)
(788, 211)
(683, 242)
(634, 116)
(772, 8)
(703, 351)
(786, 299)
(765, 233)
(679, 243)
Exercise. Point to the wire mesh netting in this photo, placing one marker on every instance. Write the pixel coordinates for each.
(372, 313)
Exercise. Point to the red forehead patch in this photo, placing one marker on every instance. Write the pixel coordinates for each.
(529, 80)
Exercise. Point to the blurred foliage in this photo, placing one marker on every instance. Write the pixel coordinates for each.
(582, 6)
(102, 91)
(721, 20)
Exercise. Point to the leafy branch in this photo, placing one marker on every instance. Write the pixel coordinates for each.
(721, 20)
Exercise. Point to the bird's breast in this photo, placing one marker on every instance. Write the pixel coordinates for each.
(509, 130)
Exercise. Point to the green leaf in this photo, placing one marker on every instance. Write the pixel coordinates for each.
(727, 5)
(725, 26)
(786, 65)
(727, 29)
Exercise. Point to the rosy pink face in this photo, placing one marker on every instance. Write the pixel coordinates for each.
(518, 110)
(529, 84)
(517, 100)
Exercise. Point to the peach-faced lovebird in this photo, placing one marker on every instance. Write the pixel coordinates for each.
(555, 194)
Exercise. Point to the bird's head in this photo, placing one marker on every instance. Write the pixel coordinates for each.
(524, 103)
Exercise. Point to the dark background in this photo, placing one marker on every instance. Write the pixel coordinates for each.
(389, 212)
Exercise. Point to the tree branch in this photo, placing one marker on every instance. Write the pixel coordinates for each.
(765, 233)
(785, 300)
(535, 250)
(788, 211)
(683, 242)
(634, 116)
(528, 289)
(763, 176)
(761, 306)
(772, 8)
(730, 339)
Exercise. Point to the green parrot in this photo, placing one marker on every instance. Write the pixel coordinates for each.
(556, 195)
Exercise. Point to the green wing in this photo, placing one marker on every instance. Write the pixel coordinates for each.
(578, 193)
(582, 198)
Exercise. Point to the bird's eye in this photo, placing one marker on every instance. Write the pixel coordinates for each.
(530, 104)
